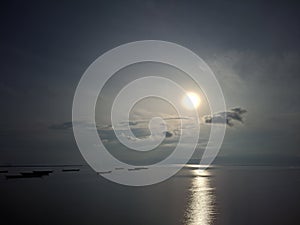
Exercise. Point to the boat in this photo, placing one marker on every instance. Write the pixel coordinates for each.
(104, 172)
(138, 168)
(71, 170)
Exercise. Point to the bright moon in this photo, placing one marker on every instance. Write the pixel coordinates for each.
(191, 100)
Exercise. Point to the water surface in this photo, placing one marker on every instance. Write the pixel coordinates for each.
(222, 195)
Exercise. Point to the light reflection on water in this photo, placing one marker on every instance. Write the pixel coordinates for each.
(201, 203)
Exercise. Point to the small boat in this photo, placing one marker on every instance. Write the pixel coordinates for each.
(138, 168)
(104, 172)
(43, 172)
(23, 175)
(30, 174)
(71, 170)
(119, 168)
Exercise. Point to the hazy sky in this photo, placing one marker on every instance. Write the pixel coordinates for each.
(45, 47)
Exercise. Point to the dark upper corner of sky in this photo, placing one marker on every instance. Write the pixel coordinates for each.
(61, 38)
(63, 28)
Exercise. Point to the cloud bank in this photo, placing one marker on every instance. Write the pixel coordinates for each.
(228, 117)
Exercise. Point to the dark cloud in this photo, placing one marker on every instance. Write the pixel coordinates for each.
(228, 117)
(61, 126)
(68, 125)
(177, 118)
(107, 132)
(137, 122)
(168, 134)
(132, 123)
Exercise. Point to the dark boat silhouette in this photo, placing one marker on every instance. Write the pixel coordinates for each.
(71, 170)
(31, 174)
(43, 172)
(24, 175)
(138, 168)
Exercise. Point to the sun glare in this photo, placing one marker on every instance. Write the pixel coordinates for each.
(191, 100)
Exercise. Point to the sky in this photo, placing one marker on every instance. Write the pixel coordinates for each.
(252, 47)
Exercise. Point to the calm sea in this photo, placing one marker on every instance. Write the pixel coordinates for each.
(233, 195)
